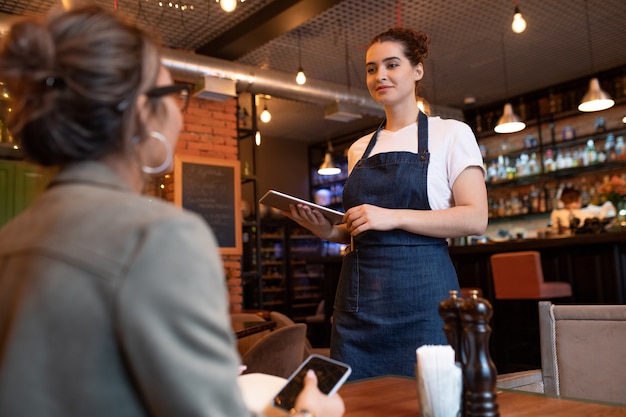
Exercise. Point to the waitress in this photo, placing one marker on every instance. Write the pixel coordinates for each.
(413, 183)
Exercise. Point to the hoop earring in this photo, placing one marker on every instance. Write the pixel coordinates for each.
(169, 154)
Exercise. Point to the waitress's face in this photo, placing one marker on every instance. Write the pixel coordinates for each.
(391, 77)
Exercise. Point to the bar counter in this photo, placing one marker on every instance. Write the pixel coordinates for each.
(594, 264)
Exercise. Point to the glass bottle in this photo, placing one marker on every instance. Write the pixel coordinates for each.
(592, 155)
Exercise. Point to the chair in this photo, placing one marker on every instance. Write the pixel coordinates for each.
(519, 276)
(278, 353)
(582, 353)
(245, 343)
(283, 320)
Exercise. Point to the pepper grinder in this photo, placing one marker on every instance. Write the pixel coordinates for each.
(479, 372)
(449, 312)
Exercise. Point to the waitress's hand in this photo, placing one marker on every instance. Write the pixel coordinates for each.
(367, 217)
(314, 401)
(310, 219)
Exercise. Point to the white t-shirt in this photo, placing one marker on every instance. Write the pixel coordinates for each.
(452, 147)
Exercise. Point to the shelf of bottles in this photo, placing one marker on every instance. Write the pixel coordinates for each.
(585, 162)
(306, 277)
(273, 273)
(327, 190)
(597, 151)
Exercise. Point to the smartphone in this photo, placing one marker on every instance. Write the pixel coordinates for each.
(331, 374)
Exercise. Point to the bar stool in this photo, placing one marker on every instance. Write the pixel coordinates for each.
(519, 276)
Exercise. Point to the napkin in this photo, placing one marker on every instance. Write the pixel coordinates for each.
(439, 381)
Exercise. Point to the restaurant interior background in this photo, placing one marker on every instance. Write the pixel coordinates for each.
(476, 60)
(245, 61)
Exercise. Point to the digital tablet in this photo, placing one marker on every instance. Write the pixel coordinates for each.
(281, 201)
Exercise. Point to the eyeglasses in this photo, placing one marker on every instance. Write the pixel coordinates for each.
(180, 91)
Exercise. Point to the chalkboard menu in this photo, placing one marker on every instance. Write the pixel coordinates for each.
(211, 188)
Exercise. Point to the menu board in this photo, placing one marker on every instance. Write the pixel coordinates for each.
(212, 189)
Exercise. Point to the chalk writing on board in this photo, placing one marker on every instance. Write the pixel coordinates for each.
(209, 190)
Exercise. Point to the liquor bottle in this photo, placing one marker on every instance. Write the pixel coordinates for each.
(479, 372)
(592, 154)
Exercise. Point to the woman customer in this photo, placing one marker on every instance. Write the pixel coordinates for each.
(110, 304)
(413, 183)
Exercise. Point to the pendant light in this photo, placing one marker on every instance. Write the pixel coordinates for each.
(300, 77)
(257, 138)
(519, 23)
(509, 122)
(595, 99)
(329, 167)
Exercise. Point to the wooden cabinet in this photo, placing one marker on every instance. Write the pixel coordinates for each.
(306, 277)
(526, 169)
(287, 279)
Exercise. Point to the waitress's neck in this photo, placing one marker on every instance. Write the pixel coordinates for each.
(399, 117)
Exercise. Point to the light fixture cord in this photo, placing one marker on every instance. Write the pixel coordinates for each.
(299, 50)
(347, 57)
(506, 76)
(593, 65)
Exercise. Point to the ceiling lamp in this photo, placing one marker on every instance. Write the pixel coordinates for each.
(519, 24)
(329, 167)
(595, 99)
(509, 122)
(300, 77)
(228, 5)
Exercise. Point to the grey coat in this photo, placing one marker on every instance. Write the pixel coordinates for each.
(112, 305)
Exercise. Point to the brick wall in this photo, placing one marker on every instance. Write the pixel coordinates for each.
(210, 130)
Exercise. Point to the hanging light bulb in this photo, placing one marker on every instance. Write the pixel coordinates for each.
(300, 77)
(329, 167)
(266, 116)
(509, 122)
(519, 24)
(257, 138)
(596, 99)
(228, 5)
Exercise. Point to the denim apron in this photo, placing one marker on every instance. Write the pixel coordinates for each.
(391, 283)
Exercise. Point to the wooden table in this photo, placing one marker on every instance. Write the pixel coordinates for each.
(397, 397)
(247, 328)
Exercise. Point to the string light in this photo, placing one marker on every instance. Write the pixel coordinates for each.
(174, 5)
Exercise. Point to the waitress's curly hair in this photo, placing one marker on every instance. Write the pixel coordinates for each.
(73, 78)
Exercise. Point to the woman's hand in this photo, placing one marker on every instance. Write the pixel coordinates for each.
(310, 219)
(367, 217)
(315, 402)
